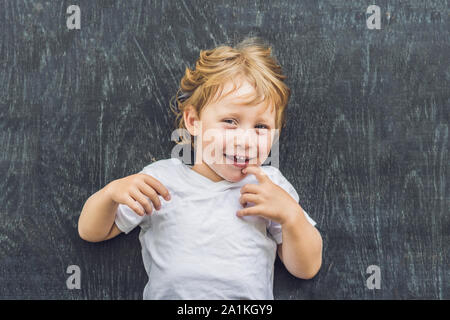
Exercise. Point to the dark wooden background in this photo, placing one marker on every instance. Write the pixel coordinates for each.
(366, 143)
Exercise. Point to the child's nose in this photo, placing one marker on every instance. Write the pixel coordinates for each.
(246, 138)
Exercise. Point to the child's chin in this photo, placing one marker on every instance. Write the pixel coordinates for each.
(235, 176)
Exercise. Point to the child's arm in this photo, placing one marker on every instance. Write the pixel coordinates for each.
(301, 248)
(96, 222)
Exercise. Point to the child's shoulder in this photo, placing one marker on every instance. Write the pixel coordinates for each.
(273, 172)
(276, 175)
(278, 178)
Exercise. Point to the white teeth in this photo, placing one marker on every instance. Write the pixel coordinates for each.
(238, 158)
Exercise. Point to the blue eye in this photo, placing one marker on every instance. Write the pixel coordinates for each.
(231, 121)
(263, 126)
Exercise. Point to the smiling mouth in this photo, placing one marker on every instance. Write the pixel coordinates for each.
(238, 160)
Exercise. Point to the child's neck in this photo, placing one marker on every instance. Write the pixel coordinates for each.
(202, 168)
(206, 171)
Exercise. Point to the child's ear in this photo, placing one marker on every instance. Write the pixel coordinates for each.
(191, 120)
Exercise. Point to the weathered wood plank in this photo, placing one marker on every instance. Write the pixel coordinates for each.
(366, 143)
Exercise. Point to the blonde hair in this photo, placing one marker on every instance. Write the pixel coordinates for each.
(250, 58)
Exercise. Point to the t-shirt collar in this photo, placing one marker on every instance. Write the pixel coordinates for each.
(197, 178)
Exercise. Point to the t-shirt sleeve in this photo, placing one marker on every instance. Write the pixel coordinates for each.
(274, 228)
(126, 219)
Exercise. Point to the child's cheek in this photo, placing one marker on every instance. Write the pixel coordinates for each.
(264, 145)
(228, 141)
(212, 136)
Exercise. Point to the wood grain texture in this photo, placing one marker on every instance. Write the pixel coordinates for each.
(366, 143)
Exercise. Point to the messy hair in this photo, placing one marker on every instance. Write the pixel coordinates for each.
(250, 58)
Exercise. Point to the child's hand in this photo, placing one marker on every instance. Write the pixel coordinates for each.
(132, 191)
(271, 201)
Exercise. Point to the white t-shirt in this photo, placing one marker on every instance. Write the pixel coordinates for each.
(195, 247)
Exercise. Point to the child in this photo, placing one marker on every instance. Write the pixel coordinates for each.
(219, 223)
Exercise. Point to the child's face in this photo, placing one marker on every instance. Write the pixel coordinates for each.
(229, 129)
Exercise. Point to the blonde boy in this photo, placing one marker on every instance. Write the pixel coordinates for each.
(219, 223)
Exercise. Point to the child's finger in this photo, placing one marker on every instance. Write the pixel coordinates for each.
(251, 188)
(157, 186)
(248, 197)
(135, 206)
(250, 211)
(142, 200)
(258, 172)
(151, 193)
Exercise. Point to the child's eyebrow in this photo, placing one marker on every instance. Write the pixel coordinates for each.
(229, 114)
